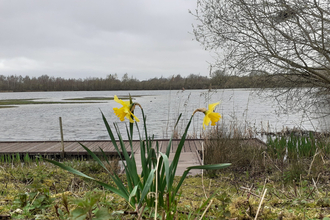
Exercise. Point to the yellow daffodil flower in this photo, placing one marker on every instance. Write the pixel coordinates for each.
(126, 110)
(210, 115)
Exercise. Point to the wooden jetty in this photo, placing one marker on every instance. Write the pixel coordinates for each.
(53, 149)
(190, 154)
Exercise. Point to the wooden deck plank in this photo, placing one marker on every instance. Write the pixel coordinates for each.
(70, 146)
(198, 144)
(50, 147)
(74, 146)
(186, 146)
(78, 147)
(127, 146)
(108, 146)
(23, 147)
(101, 145)
(164, 146)
(136, 146)
(160, 143)
(7, 147)
(30, 147)
(174, 147)
(192, 146)
(94, 146)
(17, 147)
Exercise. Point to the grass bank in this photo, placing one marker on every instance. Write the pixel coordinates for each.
(259, 183)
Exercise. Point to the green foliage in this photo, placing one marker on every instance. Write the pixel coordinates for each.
(286, 158)
(27, 159)
(34, 202)
(293, 172)
(298, 200)
(243, 156)
(225, 200)
(154, 165)
(88, 207)
(293, 146)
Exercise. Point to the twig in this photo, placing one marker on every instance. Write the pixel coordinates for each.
(314, 187)
(141, 212)
(317, 180)
(206, 209)
(263, 196)
(210, 186)
(273, 162)
(285, 194)
(203, 171)
(55, 187)
(163, 215)
(310, 167)
(295, 188)
(34, 198)
(235, 185)
(275, 195)
(263, 188)
(250, 191)
(311, 192)
(293, 196)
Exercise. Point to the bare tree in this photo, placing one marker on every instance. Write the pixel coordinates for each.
(284, 39)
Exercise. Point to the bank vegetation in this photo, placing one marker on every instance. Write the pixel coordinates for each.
(217, 80)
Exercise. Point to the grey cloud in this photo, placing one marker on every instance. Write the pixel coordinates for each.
(79, 39)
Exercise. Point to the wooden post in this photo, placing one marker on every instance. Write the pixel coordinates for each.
(62, 139)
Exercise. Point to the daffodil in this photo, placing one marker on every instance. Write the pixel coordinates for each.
(126, 110)
(210, 115)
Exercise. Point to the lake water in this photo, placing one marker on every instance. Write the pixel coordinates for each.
(84, 121)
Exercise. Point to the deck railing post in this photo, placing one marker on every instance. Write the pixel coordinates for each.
(62, 139)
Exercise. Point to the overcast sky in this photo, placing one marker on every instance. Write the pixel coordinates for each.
(85, 38)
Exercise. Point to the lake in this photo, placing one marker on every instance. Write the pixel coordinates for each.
(242, 107)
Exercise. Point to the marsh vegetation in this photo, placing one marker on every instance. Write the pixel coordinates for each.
(284, 178)
(291, 170)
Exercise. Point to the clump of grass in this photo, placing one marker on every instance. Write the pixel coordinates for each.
(299, 154)
(286, 156)
(234, 146)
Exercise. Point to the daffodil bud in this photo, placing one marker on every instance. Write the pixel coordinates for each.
(133, 106)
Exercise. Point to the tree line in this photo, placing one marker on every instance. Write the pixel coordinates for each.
(217, 80)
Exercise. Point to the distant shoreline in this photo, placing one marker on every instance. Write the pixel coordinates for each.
(111, 82)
